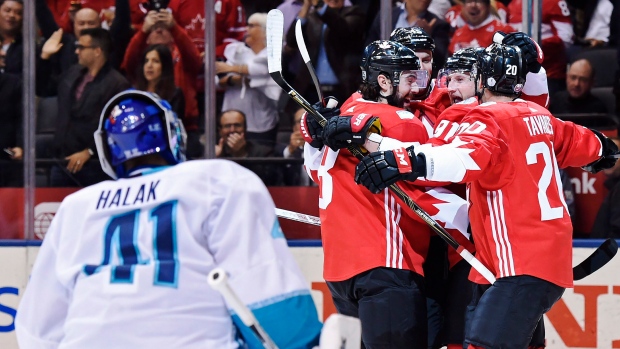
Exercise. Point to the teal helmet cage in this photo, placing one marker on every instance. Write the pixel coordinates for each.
(136, 123)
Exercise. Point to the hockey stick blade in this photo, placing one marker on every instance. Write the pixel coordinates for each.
(301, 43)
(298, 217)
(275, 25)
(601, 256)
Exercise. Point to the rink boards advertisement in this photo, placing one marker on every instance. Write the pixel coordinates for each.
(587, 316)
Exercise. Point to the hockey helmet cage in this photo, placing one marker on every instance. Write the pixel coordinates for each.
(389, 58)
(415, 38)
(500, 68)
(136, 123)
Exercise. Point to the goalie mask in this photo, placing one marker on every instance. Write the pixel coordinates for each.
(137, 123)
(396, 62)
(500, 70)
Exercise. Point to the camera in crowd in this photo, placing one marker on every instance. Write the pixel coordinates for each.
(156, 5)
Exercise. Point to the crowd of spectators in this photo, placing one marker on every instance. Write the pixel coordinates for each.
(89, 50)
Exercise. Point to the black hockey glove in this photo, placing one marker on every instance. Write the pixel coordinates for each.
(343, 131)
(310, 129)
(380, 169)
(604, 162)
(532, 54)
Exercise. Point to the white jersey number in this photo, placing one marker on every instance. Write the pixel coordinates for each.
(550, 170)
(326, 183)
(564, 8)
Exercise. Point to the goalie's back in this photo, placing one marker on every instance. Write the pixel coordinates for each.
(125, 262)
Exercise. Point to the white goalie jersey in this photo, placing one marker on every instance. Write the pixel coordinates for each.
(125, 264)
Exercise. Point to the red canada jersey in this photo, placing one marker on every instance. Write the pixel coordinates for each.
(480, 36)
(509, 154)
(105, 8)
(428, 110)
(556, 32)
(361, 230)
(453, 16)
(230, 24)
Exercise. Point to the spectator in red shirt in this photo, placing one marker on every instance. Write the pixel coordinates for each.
(556, 34)
(230, 23)
(64, 12)
(480, 25)
(161, 28)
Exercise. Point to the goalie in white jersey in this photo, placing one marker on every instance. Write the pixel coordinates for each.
(125, 262)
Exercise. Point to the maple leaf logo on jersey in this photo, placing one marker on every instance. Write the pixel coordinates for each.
(384, 45)
(463, 153)
(452, 210)
(195, 29)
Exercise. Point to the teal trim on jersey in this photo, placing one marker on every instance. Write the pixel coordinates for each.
(291, 322)
(276, 231)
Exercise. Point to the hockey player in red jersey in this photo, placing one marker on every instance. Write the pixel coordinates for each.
(509, 157)
(373, 267)
(459, 75)
(429, 102)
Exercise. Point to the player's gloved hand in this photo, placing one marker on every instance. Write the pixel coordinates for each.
(532, 53)
(381, 169)
(310, 129)
(604, 162)
(343, 131)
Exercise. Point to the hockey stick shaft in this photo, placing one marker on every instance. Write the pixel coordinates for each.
(275, 23)
(298, 217)
(218, 280)
(301, 43)
(601, 256)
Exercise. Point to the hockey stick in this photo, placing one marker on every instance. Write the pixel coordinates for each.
(275, 22)
(301, 43)
(218, 280)
(299, 217)
(596, 260)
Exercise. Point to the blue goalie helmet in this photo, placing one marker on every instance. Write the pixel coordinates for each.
(136, 123)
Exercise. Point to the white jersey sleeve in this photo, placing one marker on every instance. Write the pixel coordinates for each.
(125, 264)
